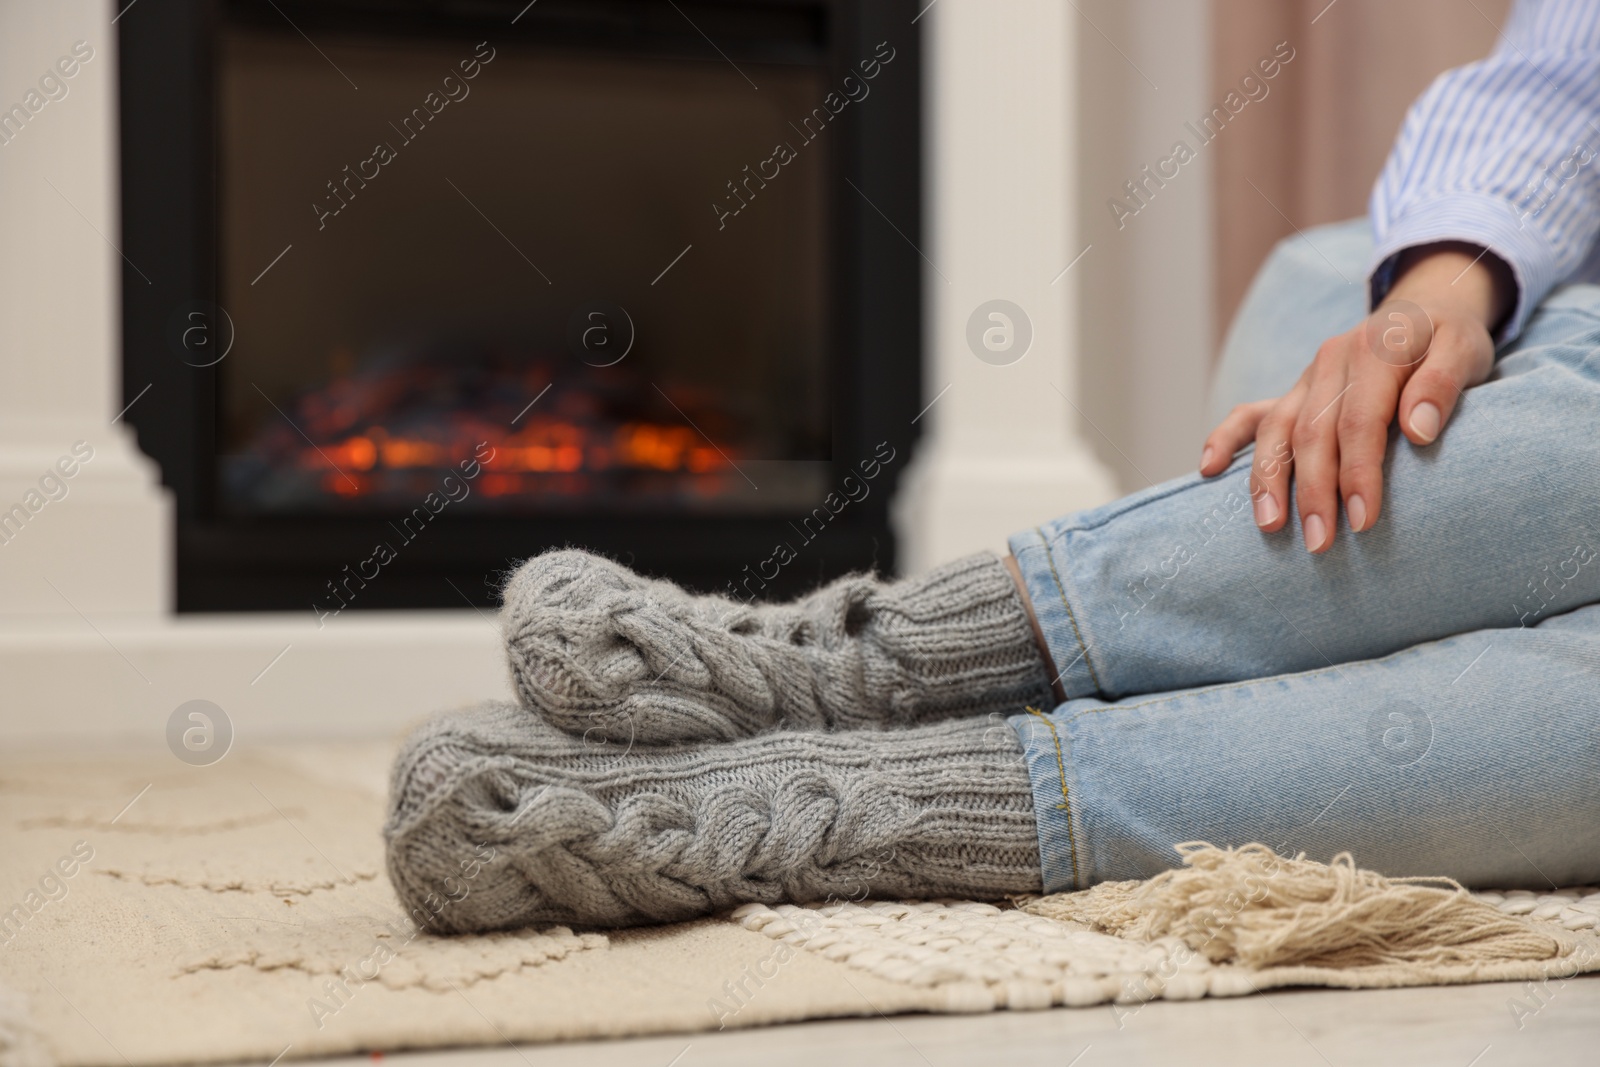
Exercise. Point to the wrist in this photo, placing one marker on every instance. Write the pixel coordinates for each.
(1455, 278)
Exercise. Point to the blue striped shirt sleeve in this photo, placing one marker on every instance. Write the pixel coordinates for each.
(1502, 153)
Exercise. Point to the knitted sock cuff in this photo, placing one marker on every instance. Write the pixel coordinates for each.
(976, 834)
(956, 639)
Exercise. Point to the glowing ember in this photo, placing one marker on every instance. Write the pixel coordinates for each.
(390, 430)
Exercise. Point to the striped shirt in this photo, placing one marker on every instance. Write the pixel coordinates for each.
(1505, 153)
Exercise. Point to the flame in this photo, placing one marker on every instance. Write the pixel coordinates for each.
(543, 447)
(397, 426)
(662, 448)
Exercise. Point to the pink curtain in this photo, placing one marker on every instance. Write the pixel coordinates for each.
(1308, 152)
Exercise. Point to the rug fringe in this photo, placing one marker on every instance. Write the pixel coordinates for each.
(1252, 907)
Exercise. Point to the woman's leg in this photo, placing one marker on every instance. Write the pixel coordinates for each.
(611, 655)
(1476, 757)
(1496, 524)
(498, 819)
(1473, 756)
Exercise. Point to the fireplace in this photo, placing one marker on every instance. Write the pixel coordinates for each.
(425, 287)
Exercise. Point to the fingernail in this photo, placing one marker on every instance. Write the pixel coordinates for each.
(1425, 421)
(1316, 532)
(1205, 458)
(1266, 510)
(1357, 510)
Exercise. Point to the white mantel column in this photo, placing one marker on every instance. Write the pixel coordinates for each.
(106, 545)
(1000, 449)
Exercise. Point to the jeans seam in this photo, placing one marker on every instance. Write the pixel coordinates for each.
(1066, 798)
(1252, 683)
(1182, 487)
(1072, 618)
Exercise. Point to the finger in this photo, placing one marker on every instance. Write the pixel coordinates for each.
(1273, 462)
(1364, 419)
(1456, 360)
(1232, 434)
(1315, 440)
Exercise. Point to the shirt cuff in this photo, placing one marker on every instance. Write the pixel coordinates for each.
(1476, 219)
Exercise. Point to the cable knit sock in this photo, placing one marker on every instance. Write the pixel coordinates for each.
(498, 819)
(605, 653)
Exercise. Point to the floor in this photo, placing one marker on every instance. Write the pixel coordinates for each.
(1463, 1026)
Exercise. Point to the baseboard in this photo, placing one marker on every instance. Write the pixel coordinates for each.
(274, 676)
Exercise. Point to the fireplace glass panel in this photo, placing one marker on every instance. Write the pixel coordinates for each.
(531, 277)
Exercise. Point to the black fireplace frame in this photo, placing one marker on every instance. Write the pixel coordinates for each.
(169, 207)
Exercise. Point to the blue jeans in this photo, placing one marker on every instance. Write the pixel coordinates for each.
(1425, 695)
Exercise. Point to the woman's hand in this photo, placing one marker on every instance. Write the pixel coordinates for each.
(1413, 356)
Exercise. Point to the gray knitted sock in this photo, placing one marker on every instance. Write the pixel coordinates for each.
(497, 819)
(603, 652)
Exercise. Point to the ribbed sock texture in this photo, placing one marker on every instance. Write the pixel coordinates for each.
(605, 653)
(604, 835)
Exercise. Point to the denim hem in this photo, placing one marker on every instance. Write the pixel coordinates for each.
(1069, 650)
(1060, 863)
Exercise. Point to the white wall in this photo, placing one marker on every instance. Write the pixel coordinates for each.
(1000, 450)
(101, 539)
(1145, 290)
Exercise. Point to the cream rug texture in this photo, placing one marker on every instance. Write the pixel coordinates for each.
(159, 913)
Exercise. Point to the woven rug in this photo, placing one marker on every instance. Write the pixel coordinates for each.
(154, 912)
